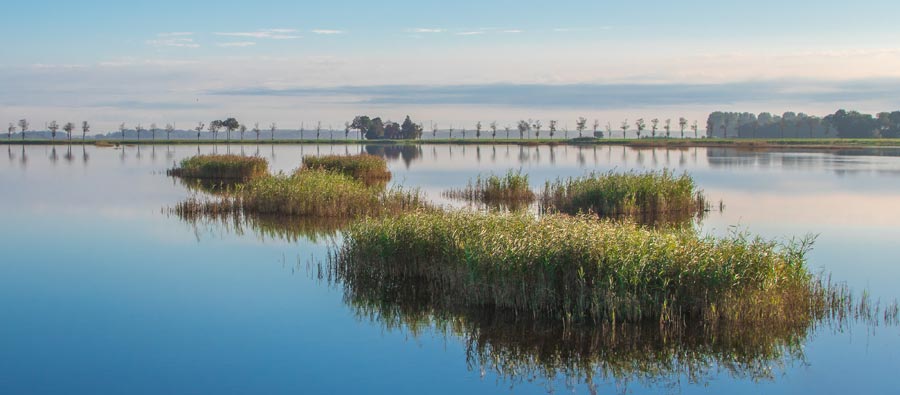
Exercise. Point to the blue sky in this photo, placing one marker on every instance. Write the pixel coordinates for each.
(289, 61)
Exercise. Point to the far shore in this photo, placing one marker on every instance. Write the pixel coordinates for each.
(810, 143)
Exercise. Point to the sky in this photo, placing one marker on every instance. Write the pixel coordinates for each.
(459, 62)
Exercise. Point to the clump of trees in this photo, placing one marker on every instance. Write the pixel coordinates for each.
(377, 129)
(766, 125)
(842, 124)
(852, 124)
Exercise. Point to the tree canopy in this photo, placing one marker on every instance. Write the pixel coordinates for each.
(376, 129)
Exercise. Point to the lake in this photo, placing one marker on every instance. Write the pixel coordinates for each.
(103, 290)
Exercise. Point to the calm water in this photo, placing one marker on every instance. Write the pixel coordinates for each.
(101, 291)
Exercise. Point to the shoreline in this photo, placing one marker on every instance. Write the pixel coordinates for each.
(635, 143)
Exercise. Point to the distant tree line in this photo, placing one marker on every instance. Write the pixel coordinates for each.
(841, 124)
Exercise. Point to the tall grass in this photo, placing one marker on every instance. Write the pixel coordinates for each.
(362, 167)
(221, 167)
(578, 269)
(311, 193)
(510, 190)
(646, 196)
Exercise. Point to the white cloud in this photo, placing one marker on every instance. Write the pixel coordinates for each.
(57, 66)
(426, 30)
(512, 31)
(175, 34)
(272, 34)
(326, 31)
(475, 33)
(174, 42)
(237, 44)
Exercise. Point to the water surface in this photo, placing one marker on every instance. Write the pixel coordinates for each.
(102, 291)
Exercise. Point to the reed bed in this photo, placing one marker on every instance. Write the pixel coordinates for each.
(645, 196)
(311, 193)
(362, 167)
(518, 346)
(579, 269)
(509, 190)
(221, 167)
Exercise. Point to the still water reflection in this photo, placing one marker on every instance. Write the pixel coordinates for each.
(103, 291)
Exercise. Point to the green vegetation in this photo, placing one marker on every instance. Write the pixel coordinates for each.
(511, 189)
(309, 193)
(322, 194)
(376, 129)
(363, 167)
(648, 197)
(578, 269)
(221, 167)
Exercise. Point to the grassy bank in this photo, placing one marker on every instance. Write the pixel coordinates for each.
(221, 167)
(646, 196)
(658, 142)
(362, 167)
(578, 269)
(509, 190)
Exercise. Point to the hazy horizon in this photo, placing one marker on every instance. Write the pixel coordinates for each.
(459, 63)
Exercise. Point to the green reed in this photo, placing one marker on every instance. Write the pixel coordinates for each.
(310, 193)
(579, 269)
(645, 196)
(221, 167)
(510, 189)
(363, 167)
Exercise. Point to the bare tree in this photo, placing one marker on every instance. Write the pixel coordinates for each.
(23, 124)
(169, 129)
(256, 130)
(434, 129)
(507, 128)
(10, 130)
(596, 126)
(493, 127)
(624, 127)
(242, 129)
(272, 128)
(138, 129)
(463, 133)
(654, 124)
(451, 130)
(318, 129)
(581, 125)
(553, 124)
(682, 123)
(478, 130)
(53, 127)
(346, 130)
(695, 126)
(69, 127)
(640, 126)
(537, 128)
(122, 130)
(668, 127)
(609, 129)
(199, 129)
